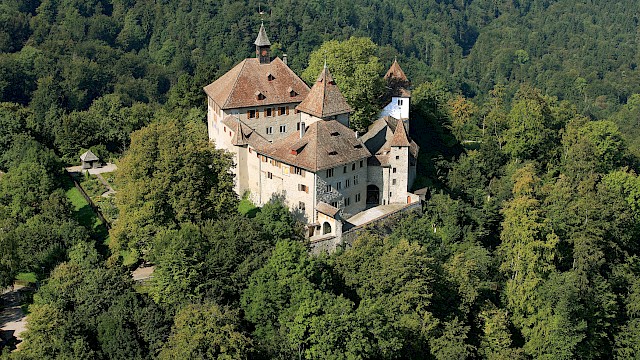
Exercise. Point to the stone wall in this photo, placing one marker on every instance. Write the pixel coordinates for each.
(350, 235)
(261, 123)
(341, 176)
(284, 181)
(345, 240)
(399, 160)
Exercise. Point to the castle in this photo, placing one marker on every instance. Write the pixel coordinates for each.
(293, 141)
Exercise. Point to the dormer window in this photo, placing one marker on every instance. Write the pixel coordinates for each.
(270, 77)
(335, 133)
(260, 96)
(333, 152)
(292, 92)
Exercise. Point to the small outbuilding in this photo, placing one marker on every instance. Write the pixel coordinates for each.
(90, 160)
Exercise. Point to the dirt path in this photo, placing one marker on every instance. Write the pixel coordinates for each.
(12, 320)
(106, 185)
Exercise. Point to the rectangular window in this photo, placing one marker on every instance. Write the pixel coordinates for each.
(344, 170)
(393, 182)
(298, 171)
(355, 179)
(298, 127)
(334, 204)
(399, 102)
(329, 173)
(269, 130)
(327, 188)
(394, 170)
(281, 110)
(361, 162)
(347, 201)
(283, 128)
(251, 114)
(269, 175)
(397, 157)
(347, 183)
(353, 166)
(339, 185)
(358, 197)
(301, 205)
(268, 112)
(302, 187)
(390, 194)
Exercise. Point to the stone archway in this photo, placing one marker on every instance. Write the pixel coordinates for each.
(373, 195)
(326, 228)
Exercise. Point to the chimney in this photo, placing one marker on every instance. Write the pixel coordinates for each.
(284, 59)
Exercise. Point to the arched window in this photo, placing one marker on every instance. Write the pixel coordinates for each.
(373, 195)
(326, 228)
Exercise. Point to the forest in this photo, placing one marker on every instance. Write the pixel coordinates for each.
(526, 113)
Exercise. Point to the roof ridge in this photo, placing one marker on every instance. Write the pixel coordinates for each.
(233, 88)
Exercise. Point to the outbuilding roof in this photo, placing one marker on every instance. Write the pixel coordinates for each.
(89, 156)
(327, 209)
(251, 84)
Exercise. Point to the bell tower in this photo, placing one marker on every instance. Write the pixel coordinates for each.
(263, 46)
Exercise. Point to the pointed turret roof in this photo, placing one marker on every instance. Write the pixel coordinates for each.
(395, 72)
(397, 81)
(324, 99)
(400, 137)
(243, 134)
(262, 39)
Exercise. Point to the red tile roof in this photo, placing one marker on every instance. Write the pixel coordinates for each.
(400, 137)
(243, 134)
(324, 99)
(381, 135)
(238, 87)
(397, 81)
(325, 144)
(327, 209)
(395, 72)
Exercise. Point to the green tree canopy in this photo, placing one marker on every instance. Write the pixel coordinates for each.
(357, 72)
(171, 174)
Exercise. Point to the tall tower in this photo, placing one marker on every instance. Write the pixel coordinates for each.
(263, 46)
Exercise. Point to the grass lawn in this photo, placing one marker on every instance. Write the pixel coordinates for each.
(246, 207)
(26, 278)
(85, 216)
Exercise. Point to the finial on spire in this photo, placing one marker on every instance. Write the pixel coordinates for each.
(262, 39)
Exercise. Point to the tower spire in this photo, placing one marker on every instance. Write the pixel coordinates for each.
(263, 46)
